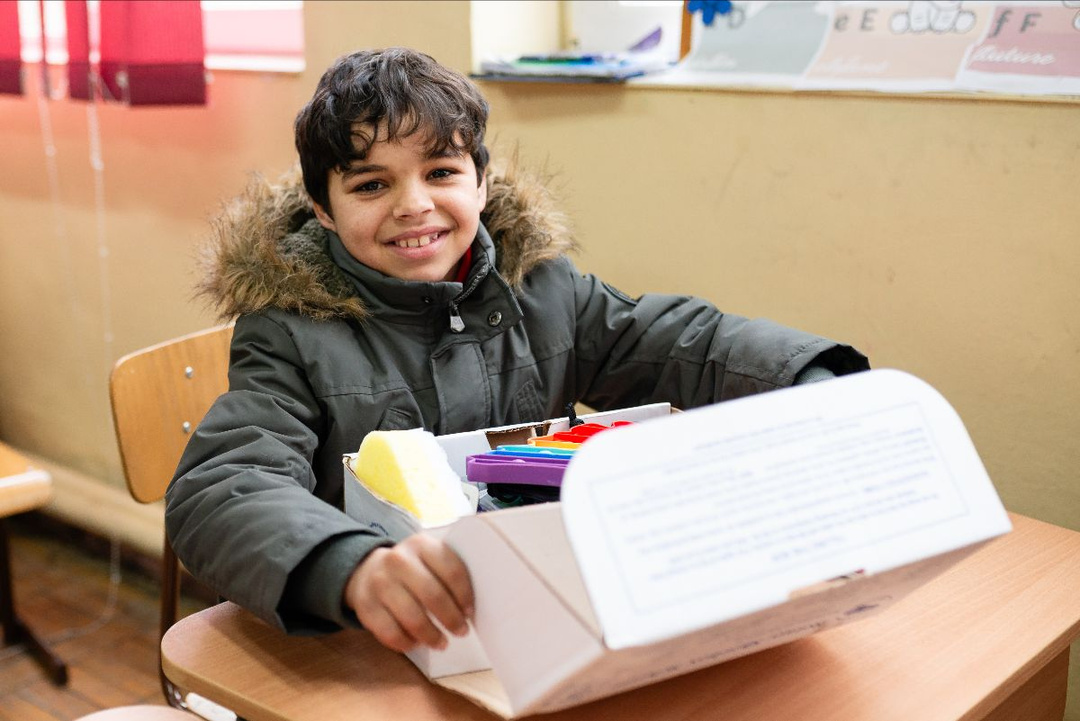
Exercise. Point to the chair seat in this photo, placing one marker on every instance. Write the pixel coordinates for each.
(140, 713)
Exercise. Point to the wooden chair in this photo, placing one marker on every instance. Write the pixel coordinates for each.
(159, 394)
(22, 488)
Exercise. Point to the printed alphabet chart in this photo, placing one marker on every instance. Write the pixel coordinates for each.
(1020, 48)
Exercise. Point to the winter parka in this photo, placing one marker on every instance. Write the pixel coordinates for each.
(326, 350)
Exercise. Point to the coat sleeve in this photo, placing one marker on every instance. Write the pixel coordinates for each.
(241, 511)
(685, 351)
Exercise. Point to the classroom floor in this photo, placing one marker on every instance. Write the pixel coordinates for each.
(62, 588)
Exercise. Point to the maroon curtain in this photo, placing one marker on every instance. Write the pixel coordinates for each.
(78, 47)
(10, 48)
(152, 52)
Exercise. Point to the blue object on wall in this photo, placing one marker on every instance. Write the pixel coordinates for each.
(709, 9)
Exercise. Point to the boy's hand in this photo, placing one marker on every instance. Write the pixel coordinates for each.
(394, 589)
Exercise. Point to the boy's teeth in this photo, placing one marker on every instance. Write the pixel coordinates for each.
(416, 242)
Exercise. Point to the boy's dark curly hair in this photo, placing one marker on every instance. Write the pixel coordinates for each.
(407, 90)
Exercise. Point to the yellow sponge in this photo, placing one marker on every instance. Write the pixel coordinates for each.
(410, 470)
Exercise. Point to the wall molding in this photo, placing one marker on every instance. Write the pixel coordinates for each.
(99, 507)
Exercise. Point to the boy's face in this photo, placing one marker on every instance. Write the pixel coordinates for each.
(403, 212)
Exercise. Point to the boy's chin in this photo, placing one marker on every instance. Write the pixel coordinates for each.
(431, 274)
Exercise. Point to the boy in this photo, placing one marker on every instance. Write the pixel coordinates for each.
(412, 287)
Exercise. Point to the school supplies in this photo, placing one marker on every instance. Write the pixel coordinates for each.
(593, 67)
(409, 469)
(522, 474)
(531, 470)
(529, 450)
(577, 434)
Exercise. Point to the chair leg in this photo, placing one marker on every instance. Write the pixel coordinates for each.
(170, 611)
(15, 631)
(170, 602)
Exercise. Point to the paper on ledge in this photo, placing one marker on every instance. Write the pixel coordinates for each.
(723, 502)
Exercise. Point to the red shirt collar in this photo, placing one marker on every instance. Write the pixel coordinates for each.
(463, 269)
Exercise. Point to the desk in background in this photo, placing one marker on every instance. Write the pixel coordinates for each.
(22, 488)
(989, 639)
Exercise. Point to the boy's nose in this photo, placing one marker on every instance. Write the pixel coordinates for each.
(413, 199)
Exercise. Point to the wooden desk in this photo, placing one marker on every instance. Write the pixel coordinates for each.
(22, 488)
(20, 492)
(989, 639)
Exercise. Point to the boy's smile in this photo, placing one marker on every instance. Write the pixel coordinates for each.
(405, 212)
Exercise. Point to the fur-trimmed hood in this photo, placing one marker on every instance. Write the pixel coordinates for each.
(266, 249)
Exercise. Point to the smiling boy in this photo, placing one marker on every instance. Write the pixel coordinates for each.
(406, 210)
(411, 286)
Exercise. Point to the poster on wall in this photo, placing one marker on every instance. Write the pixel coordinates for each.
(1020, 48)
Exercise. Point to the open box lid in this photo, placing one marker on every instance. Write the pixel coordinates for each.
(688, 540)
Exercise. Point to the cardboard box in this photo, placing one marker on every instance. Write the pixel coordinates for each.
(686, 540)
(462, 654)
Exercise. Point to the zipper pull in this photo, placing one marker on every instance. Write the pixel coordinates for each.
(456, 323)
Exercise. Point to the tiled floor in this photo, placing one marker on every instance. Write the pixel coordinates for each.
(62, 590)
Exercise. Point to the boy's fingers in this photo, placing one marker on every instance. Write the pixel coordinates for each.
(412, 616)
(396, 592)
(438, 601)
(450, 598)
(379, 593)
(386, 630)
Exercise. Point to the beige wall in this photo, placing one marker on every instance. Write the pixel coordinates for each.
(939, 235)
(67, 313)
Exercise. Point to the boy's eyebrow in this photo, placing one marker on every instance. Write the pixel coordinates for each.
(447, 152)
(354, 170)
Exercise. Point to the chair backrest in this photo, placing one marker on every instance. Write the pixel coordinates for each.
(159, 394)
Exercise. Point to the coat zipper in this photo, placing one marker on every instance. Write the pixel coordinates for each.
(456, 323)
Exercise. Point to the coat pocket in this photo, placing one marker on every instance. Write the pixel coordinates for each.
(528, 405)
(394, 419)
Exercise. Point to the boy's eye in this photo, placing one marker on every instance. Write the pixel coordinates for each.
(442, 173)
(369, 187)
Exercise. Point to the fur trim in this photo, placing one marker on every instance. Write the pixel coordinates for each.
(525, 224)
(267, 250)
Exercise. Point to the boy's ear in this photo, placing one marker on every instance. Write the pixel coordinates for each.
(482, 193)
(325, 219)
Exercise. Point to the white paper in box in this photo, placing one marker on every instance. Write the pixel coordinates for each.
(691, 539)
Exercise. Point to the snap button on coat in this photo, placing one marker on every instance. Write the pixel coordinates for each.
(495, 318)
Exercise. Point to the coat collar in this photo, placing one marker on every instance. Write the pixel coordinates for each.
(386, 296)
(267, 250)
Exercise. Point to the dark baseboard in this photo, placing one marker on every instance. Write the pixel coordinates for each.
(131, 559)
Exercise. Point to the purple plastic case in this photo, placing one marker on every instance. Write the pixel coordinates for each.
(485, 468)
